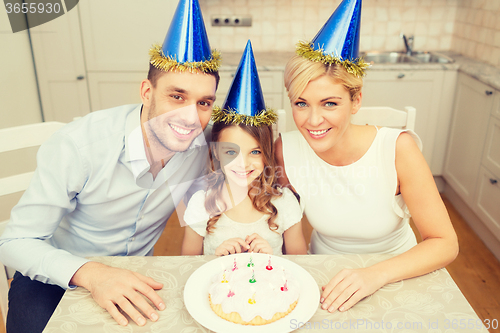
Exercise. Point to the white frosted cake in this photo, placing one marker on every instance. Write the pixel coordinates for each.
(253, 293)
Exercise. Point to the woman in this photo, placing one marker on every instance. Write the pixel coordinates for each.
(358, 184)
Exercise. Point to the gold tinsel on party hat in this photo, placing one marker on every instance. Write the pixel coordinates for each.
(356, 66)
(229, 116)
(166, 63)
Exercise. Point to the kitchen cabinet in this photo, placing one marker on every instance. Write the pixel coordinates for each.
(60, 68)
(472, 108)
(96, 55)
(472, 166)
(271, 82)
(487, 201)
(429, 91)
(101, 60)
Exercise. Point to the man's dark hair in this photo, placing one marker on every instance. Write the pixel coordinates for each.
(154, 74)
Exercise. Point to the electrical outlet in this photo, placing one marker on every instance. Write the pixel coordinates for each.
(232, 20)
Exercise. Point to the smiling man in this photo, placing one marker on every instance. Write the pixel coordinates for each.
(106, 184)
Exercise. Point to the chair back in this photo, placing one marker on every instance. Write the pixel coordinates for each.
(369, 115)
(18, 147)
(385, 117)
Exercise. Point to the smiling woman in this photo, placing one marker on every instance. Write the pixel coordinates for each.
(372, 180)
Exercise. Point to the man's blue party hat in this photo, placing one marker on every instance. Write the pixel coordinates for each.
(338, 40)
(245, 102)
(186, 45)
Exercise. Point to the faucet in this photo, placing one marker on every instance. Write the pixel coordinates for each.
(408, 43)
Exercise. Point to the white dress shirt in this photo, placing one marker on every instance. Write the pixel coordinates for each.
(92, 195)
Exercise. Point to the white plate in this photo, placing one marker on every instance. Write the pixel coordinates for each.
(198, 306)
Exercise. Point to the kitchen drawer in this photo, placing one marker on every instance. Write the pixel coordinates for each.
(491, 153)
(487, 201)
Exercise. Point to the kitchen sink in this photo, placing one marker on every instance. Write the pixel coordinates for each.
(432, 57)
(387, 58)
(402, 57)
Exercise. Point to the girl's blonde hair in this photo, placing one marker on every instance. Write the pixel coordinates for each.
(261, 190)
(299, 71)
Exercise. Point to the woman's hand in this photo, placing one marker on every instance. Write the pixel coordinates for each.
(348, 287)
(232, 246)
(258, 244)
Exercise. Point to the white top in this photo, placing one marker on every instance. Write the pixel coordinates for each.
(352, 208)
(92, 195)
(196, 216)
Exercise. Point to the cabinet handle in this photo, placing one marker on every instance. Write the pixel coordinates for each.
(400, 76)
(493, 181)
(489, 92)
(80, 77)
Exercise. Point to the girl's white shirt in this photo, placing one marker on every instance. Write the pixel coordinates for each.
(196, 217)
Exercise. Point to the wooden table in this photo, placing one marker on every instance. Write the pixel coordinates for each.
(430, 303)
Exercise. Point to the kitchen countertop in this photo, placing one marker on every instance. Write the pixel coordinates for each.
(275, 61)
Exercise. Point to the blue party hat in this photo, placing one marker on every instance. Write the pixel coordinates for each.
(245, 102)
(186, 45)
(338, 40)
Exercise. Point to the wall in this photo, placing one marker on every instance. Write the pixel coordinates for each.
(477, 31)
(19, 103)
(279, 24)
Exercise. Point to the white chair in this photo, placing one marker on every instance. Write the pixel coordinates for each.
(18, 147)
(370, 115)
(280, 125)
(386, 117)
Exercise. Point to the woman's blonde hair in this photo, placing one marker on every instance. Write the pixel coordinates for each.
(299, 71)
(261, 190)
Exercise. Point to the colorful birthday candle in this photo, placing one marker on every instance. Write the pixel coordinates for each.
(252, 300)
(269, 267)
(224, 280)
(250, 264)
(230, 294)
(234, 266)
(252, 279)
(284, 288)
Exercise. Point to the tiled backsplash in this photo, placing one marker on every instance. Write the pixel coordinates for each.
(465, 26)
(477, 30)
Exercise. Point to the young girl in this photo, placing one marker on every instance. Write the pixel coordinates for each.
(243, 208)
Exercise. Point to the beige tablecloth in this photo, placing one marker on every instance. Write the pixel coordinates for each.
(430, 303)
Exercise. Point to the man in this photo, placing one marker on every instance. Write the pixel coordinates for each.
(107, 183)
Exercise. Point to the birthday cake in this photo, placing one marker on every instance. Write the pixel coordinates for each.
(253, 293)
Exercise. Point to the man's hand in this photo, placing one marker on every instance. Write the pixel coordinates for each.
(258, 244)
(232, 246)
(115, 287)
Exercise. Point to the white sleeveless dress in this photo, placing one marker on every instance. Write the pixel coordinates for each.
(352, 208)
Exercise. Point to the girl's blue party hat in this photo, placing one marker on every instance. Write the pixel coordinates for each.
(244, 101)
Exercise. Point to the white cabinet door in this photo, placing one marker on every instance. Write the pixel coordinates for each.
(110, 89)
(117, 35)
(58, 53)
(491, 153)
(420, 89)
(471, 112)
(487, 205)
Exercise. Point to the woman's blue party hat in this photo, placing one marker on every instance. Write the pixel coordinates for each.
(338, 40)
(186, 45)
(245, 102)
